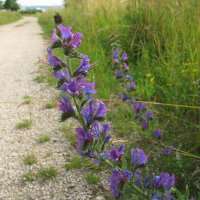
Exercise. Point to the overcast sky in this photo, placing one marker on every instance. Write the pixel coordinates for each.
(40, 2)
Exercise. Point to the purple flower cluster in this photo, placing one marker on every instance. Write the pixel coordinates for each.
(118, 180)
(93, 139)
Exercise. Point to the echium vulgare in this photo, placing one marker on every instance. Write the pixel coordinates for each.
(141, 111)
(93, 138)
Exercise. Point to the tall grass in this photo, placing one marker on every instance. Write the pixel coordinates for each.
(8, 17)
(162, 39)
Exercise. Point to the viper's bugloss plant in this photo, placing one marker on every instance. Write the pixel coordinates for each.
(93, 138)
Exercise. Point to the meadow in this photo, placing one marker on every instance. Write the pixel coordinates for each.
(162, 41)
(8, 17)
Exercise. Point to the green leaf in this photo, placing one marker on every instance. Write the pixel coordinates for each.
(186, 192)
(179, 195)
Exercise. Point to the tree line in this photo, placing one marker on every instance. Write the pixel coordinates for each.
(9, 5)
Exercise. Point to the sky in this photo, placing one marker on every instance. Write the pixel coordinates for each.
(40, 2)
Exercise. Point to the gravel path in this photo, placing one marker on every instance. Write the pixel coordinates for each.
(20, 46)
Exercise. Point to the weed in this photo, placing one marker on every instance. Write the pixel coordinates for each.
(43, 138)
(25, 123)
(78, 162)
(29, 177)
(27, 99)
(92, 178)
(40, 79)
(48, 154)
(47, 173)
(50, 105)
(30, 159)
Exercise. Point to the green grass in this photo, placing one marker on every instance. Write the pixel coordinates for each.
(47, 173)
(27, 99)
(51, 105)
(42, 173)
(30, 159)
(8, 17)
(78, 162)
(92, 178)
(43, 138)
(48, 154)
(25, 123)
(29, 177)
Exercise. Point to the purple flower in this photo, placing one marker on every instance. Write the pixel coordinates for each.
(142, 107)
(165, 180)
(62, 75)
(106, 128)
(125, 56)
(116, 54)
(118, 180)
(150, 115)
(129, 77)
(132, 85)
(53, 60)
(66, 32)
(124, 96)
(76, 42)
(107, 138)
(118, 74)
(136, 107)
(101, 109)
(144, 125)
(88, 89)
(158, 133)
(96, 129)
(84, 64)
(83, 137)
(115, 61)
(90, 112)
(65, 105)
(72, 88)
(138, 157)
(167, 151)
(116, 154)
(142, 158)
(54, 36)
(125, 67)
(138, 177)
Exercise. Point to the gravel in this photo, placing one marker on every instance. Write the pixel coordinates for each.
(20, 47)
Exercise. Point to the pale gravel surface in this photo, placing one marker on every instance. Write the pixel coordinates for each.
(20, 47)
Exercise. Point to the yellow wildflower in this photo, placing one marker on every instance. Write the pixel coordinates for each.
(152, 79)
(148, 75)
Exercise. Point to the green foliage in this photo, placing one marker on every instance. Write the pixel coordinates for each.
(25, 123)
(29, 177)
(11, 5)
(50, 105)
(30, 159)
(27, 99)
(78, 162)
(43, 138)
(92, 178)
(8, 17)
(1, 5)
(47, 173)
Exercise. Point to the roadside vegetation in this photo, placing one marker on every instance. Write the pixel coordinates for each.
(162, 41)
(8, 17)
